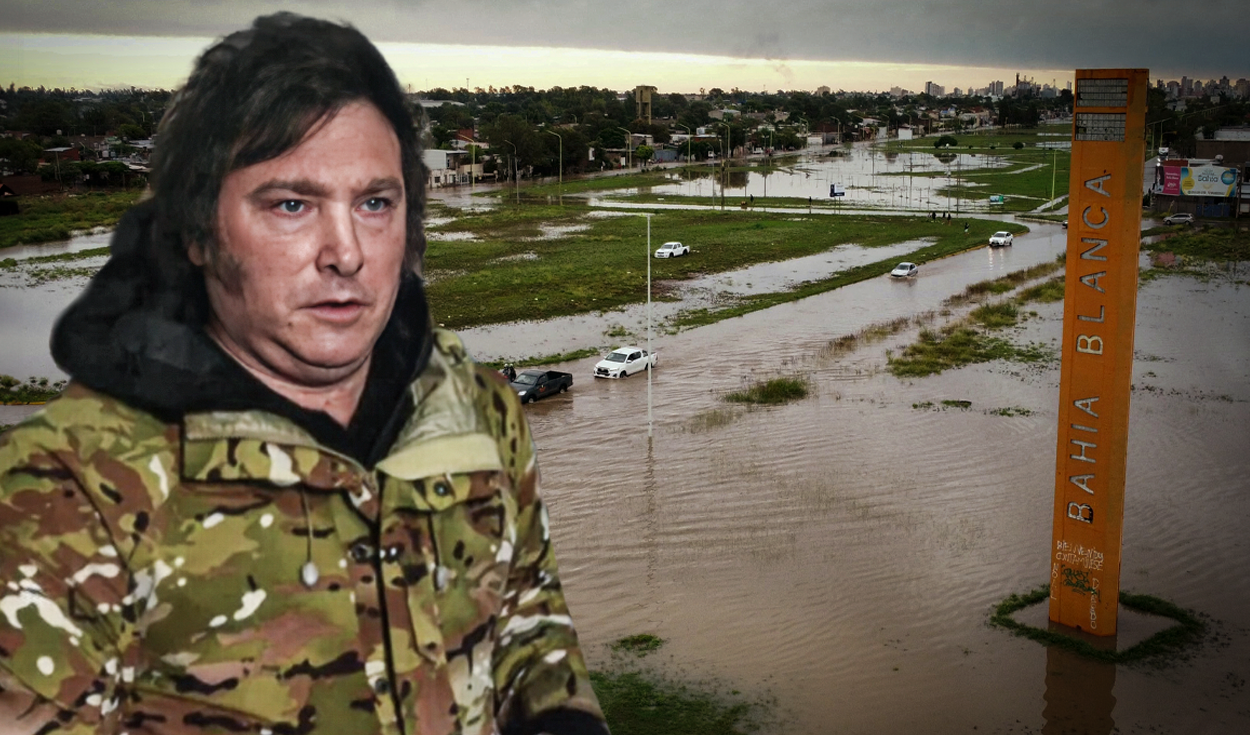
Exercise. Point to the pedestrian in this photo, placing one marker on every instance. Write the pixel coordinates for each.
(752, 199)
(274, 498)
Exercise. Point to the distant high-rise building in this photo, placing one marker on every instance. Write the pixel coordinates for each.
(1187, 86)
(822, 90)
(997, 88)
(934, 90)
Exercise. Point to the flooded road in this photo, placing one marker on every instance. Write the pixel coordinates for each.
(843, 552)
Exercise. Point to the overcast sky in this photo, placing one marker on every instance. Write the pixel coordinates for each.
(1043, 37)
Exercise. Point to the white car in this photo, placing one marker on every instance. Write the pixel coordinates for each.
(1181, 218)
(1000, 239)
(905, 270)
(624, 362)
(672, 250)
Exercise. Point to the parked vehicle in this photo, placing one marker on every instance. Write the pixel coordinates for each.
(1001, 239)
(905, 270)
(624, 362)
(530, 385)
(1180, 218)
(672, 250)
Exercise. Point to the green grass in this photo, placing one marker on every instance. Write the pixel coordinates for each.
(639, 701)
(1170, 642)
(639, 644)
(951, 347)
(552, 359)
(1024, 190)
(769, 392)
(996, 316)
(34, 390)
(1006, 283)
(47, 219)
(1212, 244)
(637, 704)
(1047, 292)
(602, 265)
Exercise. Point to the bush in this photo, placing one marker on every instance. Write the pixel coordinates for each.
(1018, 145)
(944, 141)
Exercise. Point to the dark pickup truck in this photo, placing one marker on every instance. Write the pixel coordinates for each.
(530, 385)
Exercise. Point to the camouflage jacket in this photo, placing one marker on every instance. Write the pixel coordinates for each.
(227, 574)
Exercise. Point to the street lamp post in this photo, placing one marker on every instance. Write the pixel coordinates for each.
(516, 179)
(561, 139)
(648, 256)
(689, 140)
(725, 164)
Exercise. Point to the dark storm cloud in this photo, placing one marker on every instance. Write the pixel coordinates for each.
(1170, 38)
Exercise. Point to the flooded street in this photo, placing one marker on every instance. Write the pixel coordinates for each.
(843, 552)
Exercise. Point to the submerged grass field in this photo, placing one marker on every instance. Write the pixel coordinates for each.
(47, 219)
(970, 340)
(538, 261)
(1028, 179)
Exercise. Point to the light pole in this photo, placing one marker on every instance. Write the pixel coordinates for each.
(649, 357)
(516, 180)
(689, 140)
(724, 165)
(561, 139)
(629, 153)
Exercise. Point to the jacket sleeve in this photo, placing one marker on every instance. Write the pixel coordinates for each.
(64, 598)
(540, 674)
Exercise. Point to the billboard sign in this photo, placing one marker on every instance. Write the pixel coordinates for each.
(1208, 181)
(1172, 180)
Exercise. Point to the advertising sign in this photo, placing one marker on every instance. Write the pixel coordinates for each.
(1099, 311)
(1208, 181)
(1172, 180)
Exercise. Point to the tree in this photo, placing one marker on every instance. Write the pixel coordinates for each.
(644, 153)
(131, 132)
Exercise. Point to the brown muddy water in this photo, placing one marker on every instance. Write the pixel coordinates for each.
(842, 553)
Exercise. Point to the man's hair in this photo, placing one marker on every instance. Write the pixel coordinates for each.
(254, 96)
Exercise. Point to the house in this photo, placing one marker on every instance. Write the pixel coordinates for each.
(443, 168)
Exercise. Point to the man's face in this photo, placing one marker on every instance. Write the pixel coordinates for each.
(310, 251)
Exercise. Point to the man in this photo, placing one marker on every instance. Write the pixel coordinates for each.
(273, 499)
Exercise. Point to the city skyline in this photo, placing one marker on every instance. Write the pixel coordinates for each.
(853, 45)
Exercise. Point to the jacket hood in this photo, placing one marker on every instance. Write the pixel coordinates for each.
(137, 333)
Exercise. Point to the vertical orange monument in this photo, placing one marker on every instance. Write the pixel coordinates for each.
(1099, 311)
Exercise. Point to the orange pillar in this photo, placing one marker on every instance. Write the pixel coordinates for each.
(1099, 310)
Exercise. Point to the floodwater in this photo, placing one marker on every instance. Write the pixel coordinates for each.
(842, 552)
(869, 177)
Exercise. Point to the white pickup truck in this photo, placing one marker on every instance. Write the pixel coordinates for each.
(624, 362)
